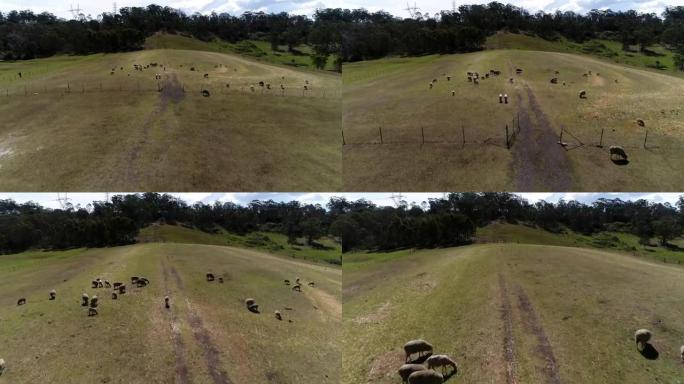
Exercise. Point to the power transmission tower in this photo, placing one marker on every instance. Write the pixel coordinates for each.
(397, 198)
(413, 11)
(63, 200)
(115, 8)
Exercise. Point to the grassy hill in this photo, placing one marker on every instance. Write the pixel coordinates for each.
(95, 123)
(207, 335)
(655, 57)
(393, 95)
(513, 312)
(329, 250)
(258, 49)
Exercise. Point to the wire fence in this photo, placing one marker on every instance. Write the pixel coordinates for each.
(458, 135)
(605, 138)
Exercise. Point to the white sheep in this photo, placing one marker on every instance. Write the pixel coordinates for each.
(417, 346)
(443, 361)
(425, 377)
(681, 352)
(3, 366)
(53, 294)
(407, 369)
(85, 298)
(278, 315)
(641, 337)
(583, 94)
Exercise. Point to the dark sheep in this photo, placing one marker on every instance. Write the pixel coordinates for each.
(21, 301)
(92, 311)
(107, 284)
(114, 296)
(210, 277)
(205, 93)
(84, 298)
(167, 305)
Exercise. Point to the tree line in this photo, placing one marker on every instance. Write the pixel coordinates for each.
(454, 220)
(351, 35)
(26, 226)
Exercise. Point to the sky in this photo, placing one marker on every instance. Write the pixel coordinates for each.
(50, 200)
(307, 7)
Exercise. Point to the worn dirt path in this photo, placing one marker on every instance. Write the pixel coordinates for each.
(540, 163)
(181, 367)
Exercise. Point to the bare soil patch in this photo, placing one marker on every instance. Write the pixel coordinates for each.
(376, 316)
(386, 365)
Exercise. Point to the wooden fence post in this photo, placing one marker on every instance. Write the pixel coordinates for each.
(601, 140)
(422, 132)
(508, 145)
(380, 129)
(343, 141)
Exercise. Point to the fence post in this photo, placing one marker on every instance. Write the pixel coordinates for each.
(380, 129)
(422, 132)
(343, 141)
(645, 138)
(463, 135)
(601, 141)
(508, 145)
(560, 137)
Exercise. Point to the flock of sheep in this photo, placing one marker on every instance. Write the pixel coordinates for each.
(421, 370)
(251, 303)
(642, 338)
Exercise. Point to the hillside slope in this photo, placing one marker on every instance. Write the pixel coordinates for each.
(464, 132)
(513, 313)
(207, 335)
(96, 123)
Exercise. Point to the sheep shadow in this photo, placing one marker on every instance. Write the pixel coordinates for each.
(253, 309)
(620, 161)
(649, 352)
(419, 359)
(450, 375)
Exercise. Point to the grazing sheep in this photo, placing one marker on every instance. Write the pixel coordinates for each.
(443, 361)
(554, 80)
(220, 279)
(505, 98)
(228, 85)
(268, 86)
(476, 81)
(287, 282)
(134, 279)
(143, 282)
(556, 72)
(425, 377)
(84, 298)
(94, 284)
(417, 346)
(448, 78)
(99, 283)
(117, 285)
(3, 366)
(486, 75)
(166, 302)
(641, 337)
(518, 70)
(278, 315)
(470, 79)
(122, 289)
(510, 80)
(53, 294)
(114, 296)
(407, 369)
(206, 93)
(583, 94)
(297, 288)
(21, 301)
(206, 75)
(92, 311)
(681, 353)
(192, 68)
(311, 283)
(252, 306)
(107, 284)
(640, 123)
(210, 277)
(500, 98)
(453, 93)
(282, 87)
(93, 301)
(261, 83)
(618, 151)
(616, 81)
(430, 85)
(297, 280)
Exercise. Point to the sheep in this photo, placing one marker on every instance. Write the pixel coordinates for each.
(167, 305)
(99, 283)
(556, 72)
(470, 79)
(287, 282)
(261, 83)
(448, 78)
(311, 283)
(206, 93)
(268, 86)
(206, 75)
(417, 346)
(518, 70)
(297, 288)
(500, 98)
(407, 369)
(3, 366)
(425, 377)
(117, 285)
(640, 123)
(616, 150)
(93, 301)
(92, 311)
(297, 280)
(210, 276)
(94, 284)
(453, 93)
(142, 282)
(505, 98)
(53, 294)
(192, 68)
(554, 80)
(282, 87)
(21, 301)
(252, 305)
(278, 315)
(107, 284)
(583, 94)
(434, 80)
(114, 296)
(641, 337)
(443, 361)
(220, 279)
(84, 298)
(134, 280)
(510, 80)
(430, 85)
(681, 354)
(122, 289)
(475, 81)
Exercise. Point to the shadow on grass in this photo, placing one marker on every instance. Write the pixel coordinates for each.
(649, 352)
(620, 161)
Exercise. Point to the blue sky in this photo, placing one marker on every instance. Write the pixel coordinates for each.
(95, 7)
(50, 199)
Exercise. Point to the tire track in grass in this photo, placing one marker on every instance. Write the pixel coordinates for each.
(182, 373)
(203, 338)
(533, 324)
(507, 318)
